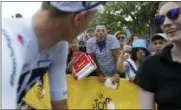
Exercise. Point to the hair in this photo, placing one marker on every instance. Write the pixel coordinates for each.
(157, 37)
(70, 53)
(98, 22)
(131, 39)
(101, 24)
(161, 4)
(118, 32)
(54, 11)
(87, 30)
(134, 55)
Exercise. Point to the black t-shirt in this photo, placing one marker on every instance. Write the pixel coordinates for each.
(162, 76)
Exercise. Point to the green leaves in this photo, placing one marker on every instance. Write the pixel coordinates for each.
(138, 16)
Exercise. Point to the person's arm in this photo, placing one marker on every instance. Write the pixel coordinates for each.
(57, 77)
(147, 100)
(115, 49)
(98, 71)
(116, 76)
(70, 64)
(100, 74)
(69, 68)
(123, 66)
(116, 53)
(89, 48)
(145, 79)
(90, 51)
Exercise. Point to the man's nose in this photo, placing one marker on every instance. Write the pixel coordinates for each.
(100, 32)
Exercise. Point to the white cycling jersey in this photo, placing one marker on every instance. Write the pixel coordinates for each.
(23, 65)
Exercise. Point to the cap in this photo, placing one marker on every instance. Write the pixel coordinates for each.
(159, 35)
(140, 43)
(76, 6)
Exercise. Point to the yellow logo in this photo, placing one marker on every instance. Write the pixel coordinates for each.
(102, 102)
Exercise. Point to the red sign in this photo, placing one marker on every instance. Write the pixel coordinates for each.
(81, 63)
(77, 54)
(84, 66)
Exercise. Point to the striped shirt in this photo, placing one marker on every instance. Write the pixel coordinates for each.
(106, 61)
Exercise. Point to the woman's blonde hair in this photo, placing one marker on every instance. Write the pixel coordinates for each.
(118, 32)
(160, 5)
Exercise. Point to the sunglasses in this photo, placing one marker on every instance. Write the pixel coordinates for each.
(121, 38)
(172, 14)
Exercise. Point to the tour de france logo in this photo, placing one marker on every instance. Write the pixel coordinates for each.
(102, 103)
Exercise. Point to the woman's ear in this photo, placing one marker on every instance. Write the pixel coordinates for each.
(78, 17)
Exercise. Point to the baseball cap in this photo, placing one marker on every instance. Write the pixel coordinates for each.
(140, 43)
(159, 35)
(76, 6)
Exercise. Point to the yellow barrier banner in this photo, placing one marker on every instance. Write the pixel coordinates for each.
(39, 97)
(89, 93)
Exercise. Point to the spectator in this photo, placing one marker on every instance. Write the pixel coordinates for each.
(91, 31)
(131, 65)
(83, 40)
(132, 38)
(158, 42)
(104, 49)
(73, 47)
(121, 38)
(159, 77)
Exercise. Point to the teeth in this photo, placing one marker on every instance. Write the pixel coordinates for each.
(172, 30)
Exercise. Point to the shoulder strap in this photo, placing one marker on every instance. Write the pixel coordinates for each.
(131, 66)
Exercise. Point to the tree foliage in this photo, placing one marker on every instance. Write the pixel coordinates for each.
(136, 15)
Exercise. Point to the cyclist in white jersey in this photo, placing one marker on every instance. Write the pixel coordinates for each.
(32, 47)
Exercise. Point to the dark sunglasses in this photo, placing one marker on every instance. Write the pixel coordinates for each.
(121, 38)
(172, 14)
